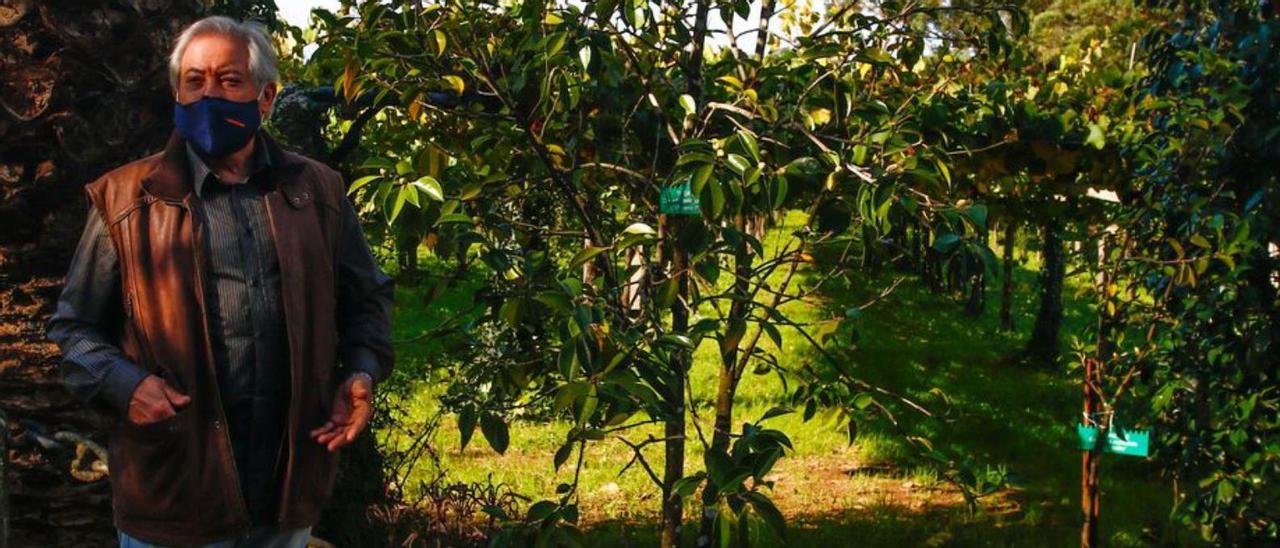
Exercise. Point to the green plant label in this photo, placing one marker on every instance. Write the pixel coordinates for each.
(678, 199)
(1133, 443)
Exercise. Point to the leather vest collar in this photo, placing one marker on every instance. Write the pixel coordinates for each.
(169, 177)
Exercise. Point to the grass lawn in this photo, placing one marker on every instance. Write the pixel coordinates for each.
(870, 493)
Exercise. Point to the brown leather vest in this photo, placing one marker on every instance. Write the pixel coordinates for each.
(175, 482)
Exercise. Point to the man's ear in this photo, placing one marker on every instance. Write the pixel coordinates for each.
(267, 97)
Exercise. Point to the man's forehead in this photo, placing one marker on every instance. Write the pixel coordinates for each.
(216, 51)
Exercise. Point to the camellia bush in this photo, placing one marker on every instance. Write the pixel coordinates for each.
(535, 143)
(608, 176)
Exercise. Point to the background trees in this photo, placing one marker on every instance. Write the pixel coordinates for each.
(515, 157)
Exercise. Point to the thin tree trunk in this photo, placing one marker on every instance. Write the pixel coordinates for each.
(729, 372)
(1089, 501)
(1042, 349)
(1006, 278)
(977, 303)
(673, 469)
(674, 427)
(727, 388)
(1094, 370)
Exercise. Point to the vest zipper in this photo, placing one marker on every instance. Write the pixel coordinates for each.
(198, 247)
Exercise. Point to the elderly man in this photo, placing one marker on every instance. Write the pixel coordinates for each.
(214, 289)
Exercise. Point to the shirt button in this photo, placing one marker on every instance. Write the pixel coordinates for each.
(217, 424)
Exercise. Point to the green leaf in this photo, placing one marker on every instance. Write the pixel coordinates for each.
(946, 242)
(570, 392)
(860, 155)
(429, 186)
(1096, 137)
(456, 83)
(584, 56)
(555, 300)
(540, 511)
(737, 163)
(695, 157)
(466, 425)
(398, 204)
(556, 44)
(712, 199)
(442, 41)
(773, 333)
(673, 339)
(453, 218)
(768, 513)
(585, 255)
(589, 403)
(410, 195)
(689, 105)
(562, 454)
(640, 228)
(776, 412)
(495, 432)
(362, 182)
(978, 213)
(700, 178)
(863, 400)
(687, 486)
(510, 312)
(666, 293)
(749, 143)
(719, 466)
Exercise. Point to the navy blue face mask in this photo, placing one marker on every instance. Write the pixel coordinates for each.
(217, 127)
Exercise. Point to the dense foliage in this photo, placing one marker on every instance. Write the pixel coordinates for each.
(530, 144)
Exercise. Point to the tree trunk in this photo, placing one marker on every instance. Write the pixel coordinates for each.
(1042, 349)
(674, 424)
(1094, 377)
(83, 89)
(1006, 278)
(977, 303)
(673, 470)
(1089, 501)
(4, 480)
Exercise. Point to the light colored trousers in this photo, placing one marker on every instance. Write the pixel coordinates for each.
(258, 537)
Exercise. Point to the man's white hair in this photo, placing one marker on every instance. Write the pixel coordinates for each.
(262, 53)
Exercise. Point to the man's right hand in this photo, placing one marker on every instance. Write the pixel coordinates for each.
(154, 400)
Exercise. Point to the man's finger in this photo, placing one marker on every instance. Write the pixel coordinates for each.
(325, 438)
(337, 442)
(359, 421)
(161, 412)
(325, 426)
(175, 397)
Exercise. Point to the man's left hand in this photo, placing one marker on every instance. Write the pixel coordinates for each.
(352, 408)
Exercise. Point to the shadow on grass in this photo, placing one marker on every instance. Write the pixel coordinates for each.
(990, 407)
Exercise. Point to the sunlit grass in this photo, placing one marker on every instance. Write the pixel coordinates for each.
(914, 343)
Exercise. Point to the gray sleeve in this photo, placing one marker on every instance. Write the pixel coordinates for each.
(365, 298)
(88, 312)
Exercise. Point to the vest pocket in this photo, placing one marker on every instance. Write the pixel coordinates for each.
(162, 429)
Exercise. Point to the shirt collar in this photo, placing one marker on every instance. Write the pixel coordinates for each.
(200, 170)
